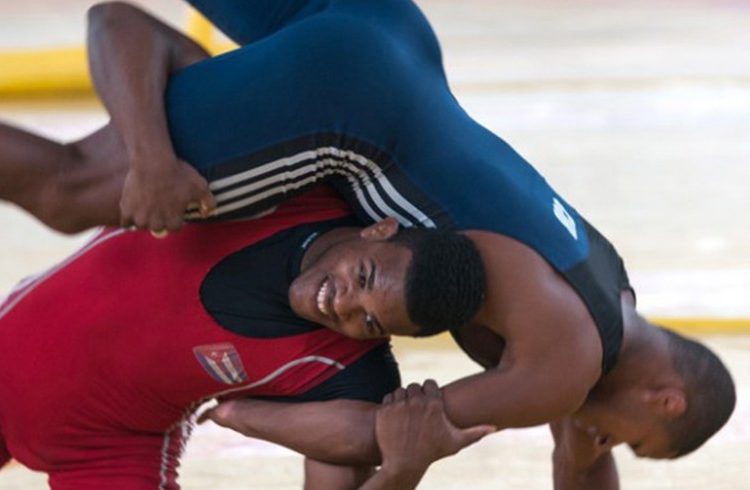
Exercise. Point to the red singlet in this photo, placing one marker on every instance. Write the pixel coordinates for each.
(106, 356)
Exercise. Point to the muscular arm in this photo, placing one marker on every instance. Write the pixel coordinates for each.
(578, 464)
(551, 360)
(338, 432)
(514, 395)
(411, 430)
(131, 56)
(325, 476)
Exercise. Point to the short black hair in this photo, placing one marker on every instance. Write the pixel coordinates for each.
(709, 390)
(445, 280)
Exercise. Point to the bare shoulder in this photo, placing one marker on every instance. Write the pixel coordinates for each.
(533, 308)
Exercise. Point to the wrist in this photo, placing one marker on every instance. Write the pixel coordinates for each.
(145, 154)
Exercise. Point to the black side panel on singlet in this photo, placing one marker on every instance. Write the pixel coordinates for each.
(368, 379)
(600, 281)
(247, 292)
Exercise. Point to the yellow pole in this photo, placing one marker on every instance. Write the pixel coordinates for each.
(704, 325)
(199, 28)
(64, 71)
(204, 33)
(60, 71)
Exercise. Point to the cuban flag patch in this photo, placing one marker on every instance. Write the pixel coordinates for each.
(222, 362)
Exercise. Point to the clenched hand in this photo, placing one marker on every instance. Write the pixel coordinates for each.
(157, 198)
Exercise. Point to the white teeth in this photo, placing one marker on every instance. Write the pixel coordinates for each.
(321, 298)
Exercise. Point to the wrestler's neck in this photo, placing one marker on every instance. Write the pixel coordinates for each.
(644, 357)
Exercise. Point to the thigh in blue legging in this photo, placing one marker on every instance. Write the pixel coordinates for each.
(333, 97)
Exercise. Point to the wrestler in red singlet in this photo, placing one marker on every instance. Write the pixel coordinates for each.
(106, 356)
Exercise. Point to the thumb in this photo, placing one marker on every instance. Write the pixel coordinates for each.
(473, 434)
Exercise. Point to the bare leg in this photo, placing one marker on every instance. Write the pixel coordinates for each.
(69, 187)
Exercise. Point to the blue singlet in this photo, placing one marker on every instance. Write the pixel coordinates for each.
(353, 92)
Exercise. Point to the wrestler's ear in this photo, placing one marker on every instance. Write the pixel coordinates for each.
(382, 230)
(667, 402)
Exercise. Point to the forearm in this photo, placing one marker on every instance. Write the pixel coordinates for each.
(394, 479)
(131, 55)
(339, 432)
(410, 429)
(602, 475)
(342, 431)
(511, 397)
(326, 476)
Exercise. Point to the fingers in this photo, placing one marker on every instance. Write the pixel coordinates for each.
(159, 224)
(174, 223)
(414, 390)
(126, 218)
(143, 223)
(158, 201)
(431, 389)
(143, 220)
(403, 394)
(399, 395)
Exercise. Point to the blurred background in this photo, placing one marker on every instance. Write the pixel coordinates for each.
(638, 112)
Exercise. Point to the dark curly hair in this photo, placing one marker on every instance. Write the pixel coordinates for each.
(445, 280)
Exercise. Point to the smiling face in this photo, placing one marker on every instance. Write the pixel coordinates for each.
(357, 287)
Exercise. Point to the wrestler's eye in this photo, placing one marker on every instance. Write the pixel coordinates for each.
(362, 275)
(370, 325)
(373, 327)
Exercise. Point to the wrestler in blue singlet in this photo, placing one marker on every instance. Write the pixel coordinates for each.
(353, 92)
